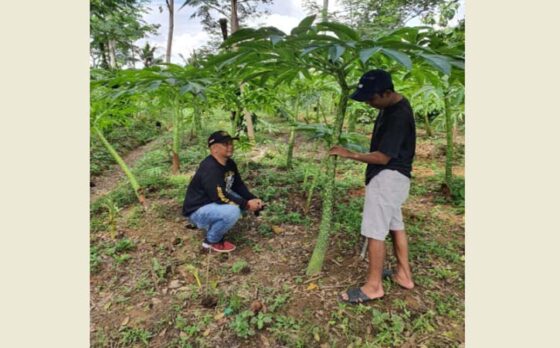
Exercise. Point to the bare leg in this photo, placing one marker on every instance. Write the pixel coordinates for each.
(403, 275)
(373, 287)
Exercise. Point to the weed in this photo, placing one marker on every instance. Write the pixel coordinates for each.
(279, 301)
(94, 259)
(158, 269)
(238, 266)
(241, 324)
(130, 336)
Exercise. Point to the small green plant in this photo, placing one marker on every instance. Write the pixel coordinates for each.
(143, 283)
(286, 329)
(235, 303)
(130, 336)
(182, 324)
(261, 320)
(121, 246)
(424, 323)
(94, 259)
(279, 301)
(294, 218)
(238, 266)
(112, 216)
(194, 272)
(265, 230)
(158, 269)
(241, 324)
(118, 250)
(121, 258)
(389, 327)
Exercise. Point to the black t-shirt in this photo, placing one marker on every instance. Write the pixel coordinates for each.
(214, 183)
(394, 134)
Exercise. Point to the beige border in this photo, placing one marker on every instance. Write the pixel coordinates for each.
(512, 191)
(44, 299)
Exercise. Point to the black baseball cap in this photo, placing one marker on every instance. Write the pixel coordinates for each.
(372, 82)
(220, 137)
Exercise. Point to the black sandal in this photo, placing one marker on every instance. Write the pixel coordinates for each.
(356, 295)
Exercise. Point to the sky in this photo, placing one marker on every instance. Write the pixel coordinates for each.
(189, 35)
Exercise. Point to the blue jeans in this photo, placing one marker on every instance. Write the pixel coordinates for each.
(216, 219)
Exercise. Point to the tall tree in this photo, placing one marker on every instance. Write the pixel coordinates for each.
(325, 12)
(374, 17)
(147, 55)
(171, 11)
(209, 11)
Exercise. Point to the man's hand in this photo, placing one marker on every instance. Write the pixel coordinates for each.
(339, 151)
(255, 204)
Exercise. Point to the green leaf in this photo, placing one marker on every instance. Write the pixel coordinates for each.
(458, 64)
(341, 30)
(230, 60)
(366, 53)
(275, 39)
(335, 52)
(242, 35)
(398, 56)
(308, 49)
(304, 25)
(153, 86)
(439, 62)
(184, 4)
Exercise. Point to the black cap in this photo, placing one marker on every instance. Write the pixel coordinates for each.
(220, 137)
(372, 82)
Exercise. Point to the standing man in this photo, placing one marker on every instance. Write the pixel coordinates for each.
(216, 194)
(389, 164)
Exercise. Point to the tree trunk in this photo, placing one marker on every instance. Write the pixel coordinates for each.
(292, 136)
(234, 18)
(291, 147)
(170, 31)
(132, 57)
(427, 124)
(316, 261)
(112, 54)
(104, 61)
(325, 11)
(449, 147)
(197, 124)
(223, 27)
(250, 127)
(352, 122)
(237, 122)
(133, 182)
(176, 140)
(246, 114)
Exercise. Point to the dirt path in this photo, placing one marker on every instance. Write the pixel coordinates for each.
(109, 179)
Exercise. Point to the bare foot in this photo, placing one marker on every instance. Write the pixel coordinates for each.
(403, 280)
(371, 292)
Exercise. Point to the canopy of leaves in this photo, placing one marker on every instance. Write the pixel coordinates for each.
(210, 11)
(119, 22)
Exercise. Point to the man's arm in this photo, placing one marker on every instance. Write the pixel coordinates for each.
(376, 157)
(214, 186)
(253, 203)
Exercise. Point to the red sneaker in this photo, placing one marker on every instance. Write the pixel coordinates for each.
(220, 247)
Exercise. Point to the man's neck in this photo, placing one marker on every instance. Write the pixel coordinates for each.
(221, 160)
(395, 98)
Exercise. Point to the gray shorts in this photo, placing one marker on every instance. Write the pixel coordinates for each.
(385, 194)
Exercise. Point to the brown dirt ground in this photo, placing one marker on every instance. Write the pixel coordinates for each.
(117, 301)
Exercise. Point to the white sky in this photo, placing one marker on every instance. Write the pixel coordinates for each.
(188, 33)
